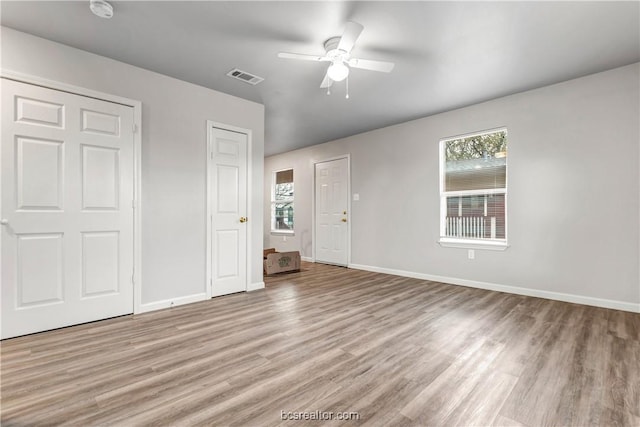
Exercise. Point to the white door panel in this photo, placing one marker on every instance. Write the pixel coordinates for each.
(39, 174)
(39, 112)
(100, 123)
(100, 178)
(100, 263)
(40, 272)
(332, 229)
(229, 206)
(67, 192)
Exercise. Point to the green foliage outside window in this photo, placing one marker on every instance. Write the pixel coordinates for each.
(477, 147)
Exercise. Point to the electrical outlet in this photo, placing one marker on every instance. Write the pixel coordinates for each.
(471, 254)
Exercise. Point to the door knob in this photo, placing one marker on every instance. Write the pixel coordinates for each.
(4, 221)
(243, 219)
(344, 219)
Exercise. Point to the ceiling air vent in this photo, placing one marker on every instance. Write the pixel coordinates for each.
(244, 76)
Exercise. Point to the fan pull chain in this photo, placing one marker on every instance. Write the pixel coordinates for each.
(328, 90)
(347, 95)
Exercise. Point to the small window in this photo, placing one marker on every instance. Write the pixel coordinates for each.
(282, 202)
(473, 189)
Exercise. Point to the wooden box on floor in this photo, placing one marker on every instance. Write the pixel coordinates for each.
(280, 262)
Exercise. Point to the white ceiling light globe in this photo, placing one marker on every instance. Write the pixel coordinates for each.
(338, 71)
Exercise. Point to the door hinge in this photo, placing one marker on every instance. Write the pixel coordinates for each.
(133, 280)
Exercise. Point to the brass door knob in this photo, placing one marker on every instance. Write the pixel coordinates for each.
(243, 219)
(344, 219)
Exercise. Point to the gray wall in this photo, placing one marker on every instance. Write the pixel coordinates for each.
(174, 115)
(573, 182)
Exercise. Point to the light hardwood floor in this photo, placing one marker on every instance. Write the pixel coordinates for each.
(397, 351)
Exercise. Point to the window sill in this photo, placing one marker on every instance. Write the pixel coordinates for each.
(283, 232)
(472, 244)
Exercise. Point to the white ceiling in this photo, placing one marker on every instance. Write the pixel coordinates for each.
(447, 54)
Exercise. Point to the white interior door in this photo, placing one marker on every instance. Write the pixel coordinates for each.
(332, 201)
(67, 214)
(228, 174)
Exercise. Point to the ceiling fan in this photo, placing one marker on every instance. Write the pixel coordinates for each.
(338, 53)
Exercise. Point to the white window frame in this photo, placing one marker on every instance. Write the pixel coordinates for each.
(456, 242)
(272, 206)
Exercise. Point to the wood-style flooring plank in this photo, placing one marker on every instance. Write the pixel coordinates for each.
(384, 350)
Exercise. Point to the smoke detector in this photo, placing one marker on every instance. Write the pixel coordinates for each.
(101, 8)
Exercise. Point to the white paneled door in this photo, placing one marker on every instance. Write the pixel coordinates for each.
(67, 209)
(332, 201)
(228, 195)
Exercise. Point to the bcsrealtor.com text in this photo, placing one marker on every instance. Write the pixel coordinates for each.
(319, 416)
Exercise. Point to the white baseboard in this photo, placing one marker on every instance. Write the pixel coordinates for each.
(174, 302)
(577, 299)
(306, 258)
(255, 286)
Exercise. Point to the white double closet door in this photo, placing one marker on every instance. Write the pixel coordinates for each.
(67, 209)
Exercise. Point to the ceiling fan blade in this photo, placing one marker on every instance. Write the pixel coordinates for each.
(351, 33)
(367, 64)
(326, 82)
(287, 55)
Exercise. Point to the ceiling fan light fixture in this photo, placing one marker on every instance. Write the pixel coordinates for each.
(101, 8)
(338, 71)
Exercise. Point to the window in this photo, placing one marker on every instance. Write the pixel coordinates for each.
(282, 202)
(473, 190)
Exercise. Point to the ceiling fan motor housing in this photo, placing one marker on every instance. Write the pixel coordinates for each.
(331, 47)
